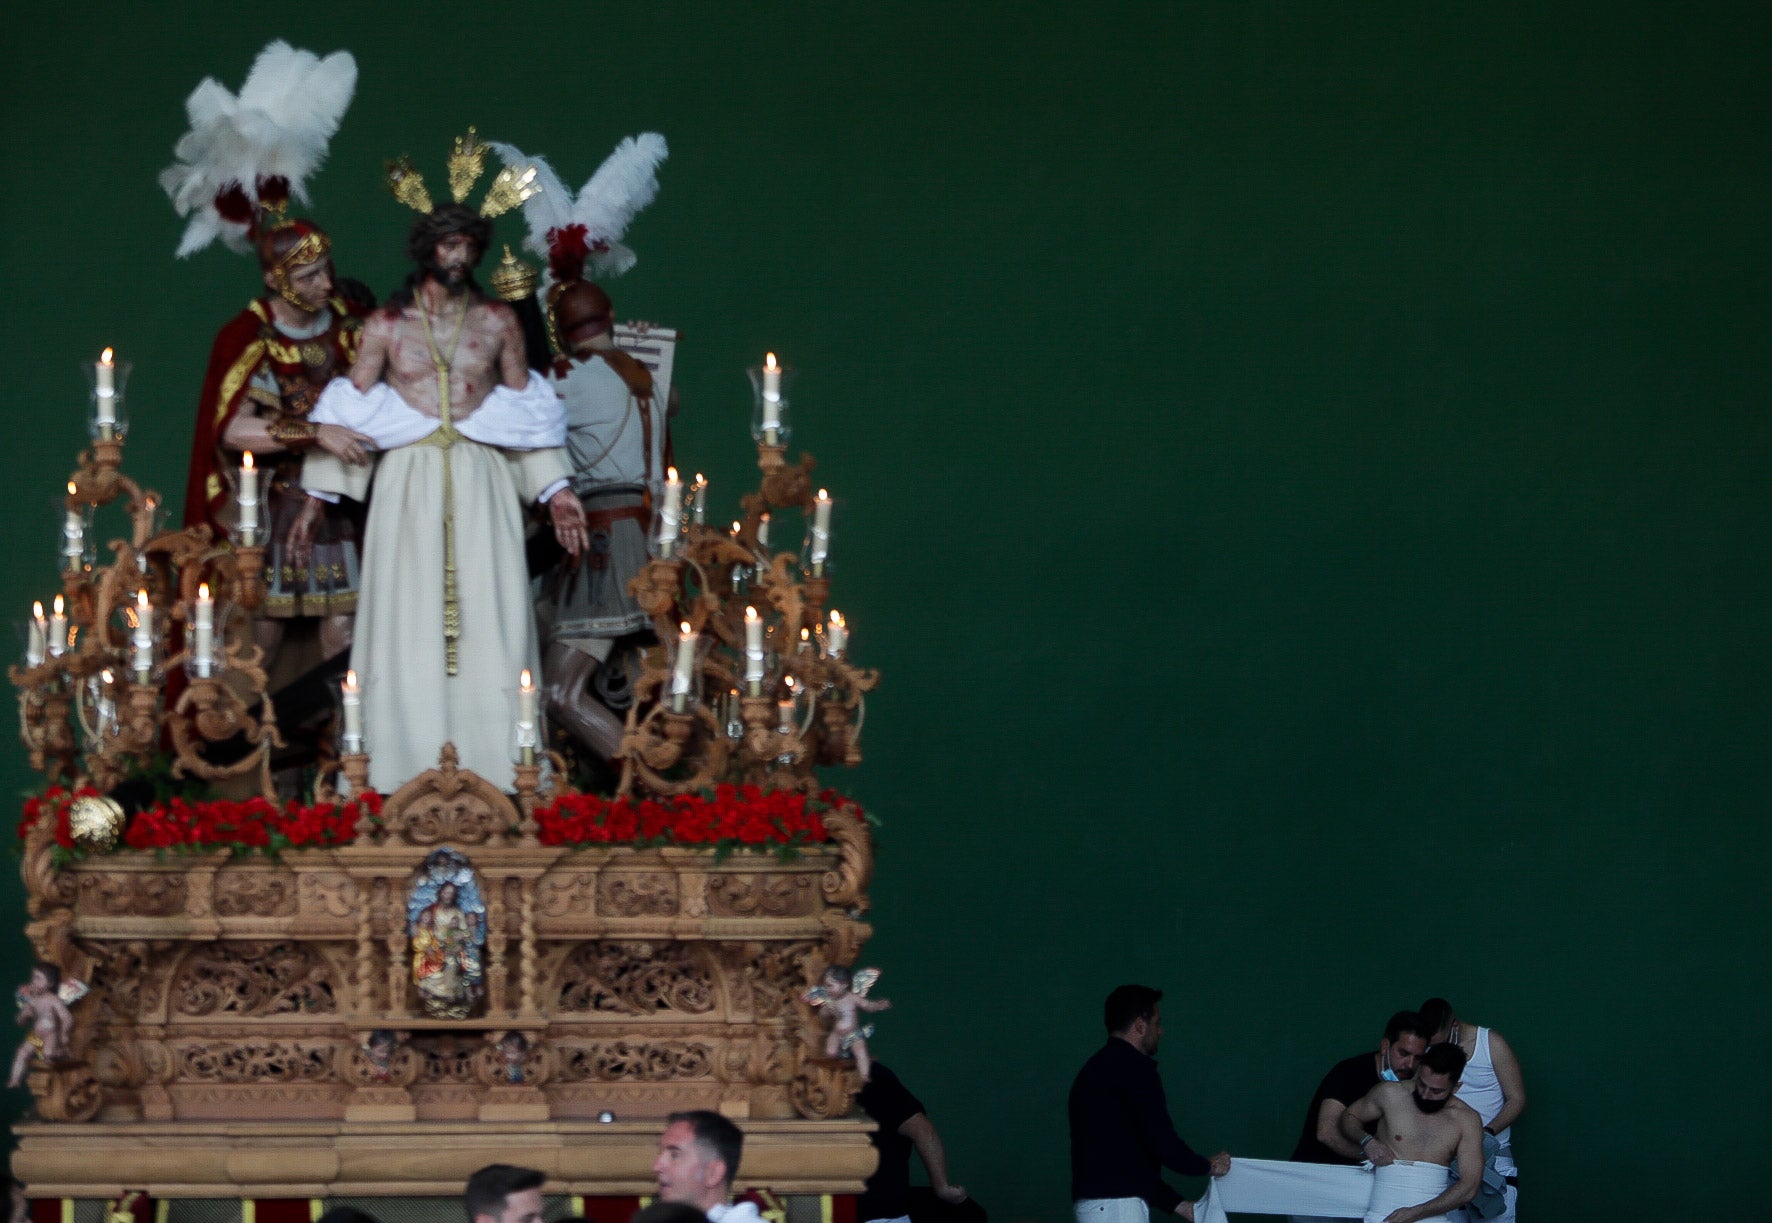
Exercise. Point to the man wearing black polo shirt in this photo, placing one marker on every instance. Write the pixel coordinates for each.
(1406, 1038)
(1121, 1134)
(903, 1125)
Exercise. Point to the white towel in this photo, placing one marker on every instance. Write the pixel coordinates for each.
(530, 419)
(1406, 1183)
(1332, 1191)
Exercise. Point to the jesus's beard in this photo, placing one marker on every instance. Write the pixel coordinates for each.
(455, 278)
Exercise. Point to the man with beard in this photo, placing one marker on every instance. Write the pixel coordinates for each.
(1406, 1038)
(1421, 1129)
(267, 369)
(1493, 1085)
(1121, 1134)
(468, 438)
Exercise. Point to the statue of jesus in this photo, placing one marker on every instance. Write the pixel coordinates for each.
(467, 438)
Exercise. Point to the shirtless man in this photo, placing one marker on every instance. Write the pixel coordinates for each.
(40, 1005)
(467, 437)
(1421, 1129)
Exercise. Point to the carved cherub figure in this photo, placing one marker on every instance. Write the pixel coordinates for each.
(43, 1005)
(844, 996)
(512, 1049)
(380, 1048)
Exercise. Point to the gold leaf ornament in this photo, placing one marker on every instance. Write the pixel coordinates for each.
(513, 185)
(467, 162)
(95, 823)
(407, 185)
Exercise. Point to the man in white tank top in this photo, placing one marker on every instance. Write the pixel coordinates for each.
(1492, 1086)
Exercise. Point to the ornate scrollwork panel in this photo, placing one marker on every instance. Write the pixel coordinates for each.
(254, 1061)
(254, 980)
(638, 979)
(637, 894)
(131, 893)
(635, 1060)
(255, 894)
(746, 894)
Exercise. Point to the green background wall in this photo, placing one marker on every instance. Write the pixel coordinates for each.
(1305, 490)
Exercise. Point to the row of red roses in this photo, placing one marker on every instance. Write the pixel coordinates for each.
(731, 817)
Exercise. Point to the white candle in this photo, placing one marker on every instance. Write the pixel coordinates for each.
(805, 640)
(821, 527)
(753, 651)
(73, 533)
(836, 635)
(37, 645)
(771, 401)
(683, 675)
(527, 739)
(763, 531)
(143, 640)
(784, 709)
(700, 508)
(248, 494)
(107, 389)
(670, 512)
(107, 705)
(58, 629)
(352, 694)
(203, 649)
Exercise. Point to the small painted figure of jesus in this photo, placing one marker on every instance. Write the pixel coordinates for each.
(844, 996)
(42, 1008)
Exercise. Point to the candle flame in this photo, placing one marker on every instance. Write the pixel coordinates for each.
(736, 526)
(805, 634)
(764, 519)
(104, 358)
(526, 681)
(671, 476)
(37, 608)
(152, 502)
(203, 592)
(769, 361)
(789, 681)
(700, 479)
(71, 489)
(837, 618)
(107, 676)
(246, 460)
(350, 681)
(750, 613)
(824, 494)
(687, 631)
(141, 599)
(60, 607)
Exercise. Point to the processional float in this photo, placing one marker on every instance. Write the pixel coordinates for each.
(374, 991)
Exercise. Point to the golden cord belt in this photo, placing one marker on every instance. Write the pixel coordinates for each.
(443, 439)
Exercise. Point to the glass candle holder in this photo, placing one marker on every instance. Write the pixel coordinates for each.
(107, 420)
(815, 546)
(770, 384)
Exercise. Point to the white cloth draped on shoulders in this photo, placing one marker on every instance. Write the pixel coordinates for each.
(508, 453)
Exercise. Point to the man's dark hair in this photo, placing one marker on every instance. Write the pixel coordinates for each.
(1437, 1014)
(670, 1212)
(1411, 1022)
(443, 221)
(717, 1134)
(52, 975)
(490, 1186)
(1127, 1005)
(1443, 1058)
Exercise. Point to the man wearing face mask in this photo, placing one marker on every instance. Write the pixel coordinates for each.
(1421, 1129)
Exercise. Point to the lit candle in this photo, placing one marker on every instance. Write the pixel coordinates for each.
(203, 650)
(527, 739)
(107, 706)
(784, 708)
(37, 645)
(700, 509)
(143, 640)
(58, 629)
(107, 390)
(683, 675)
(836, 635)
(248, 498)
(670, 513)
(763, 531)
(771, 401)
(352, 694)
(805, 640)
(753, 652)
(73, 533)
(821, 531)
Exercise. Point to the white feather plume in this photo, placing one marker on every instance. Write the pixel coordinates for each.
(606, 205)
(281, 123)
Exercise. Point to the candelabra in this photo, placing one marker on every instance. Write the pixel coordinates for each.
(151, 650)
(752, 682)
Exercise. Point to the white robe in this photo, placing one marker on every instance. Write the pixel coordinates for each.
(509, 454)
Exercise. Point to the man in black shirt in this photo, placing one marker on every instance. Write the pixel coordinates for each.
(903, 1125)
(1320, 1141)
(1121, 1134)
